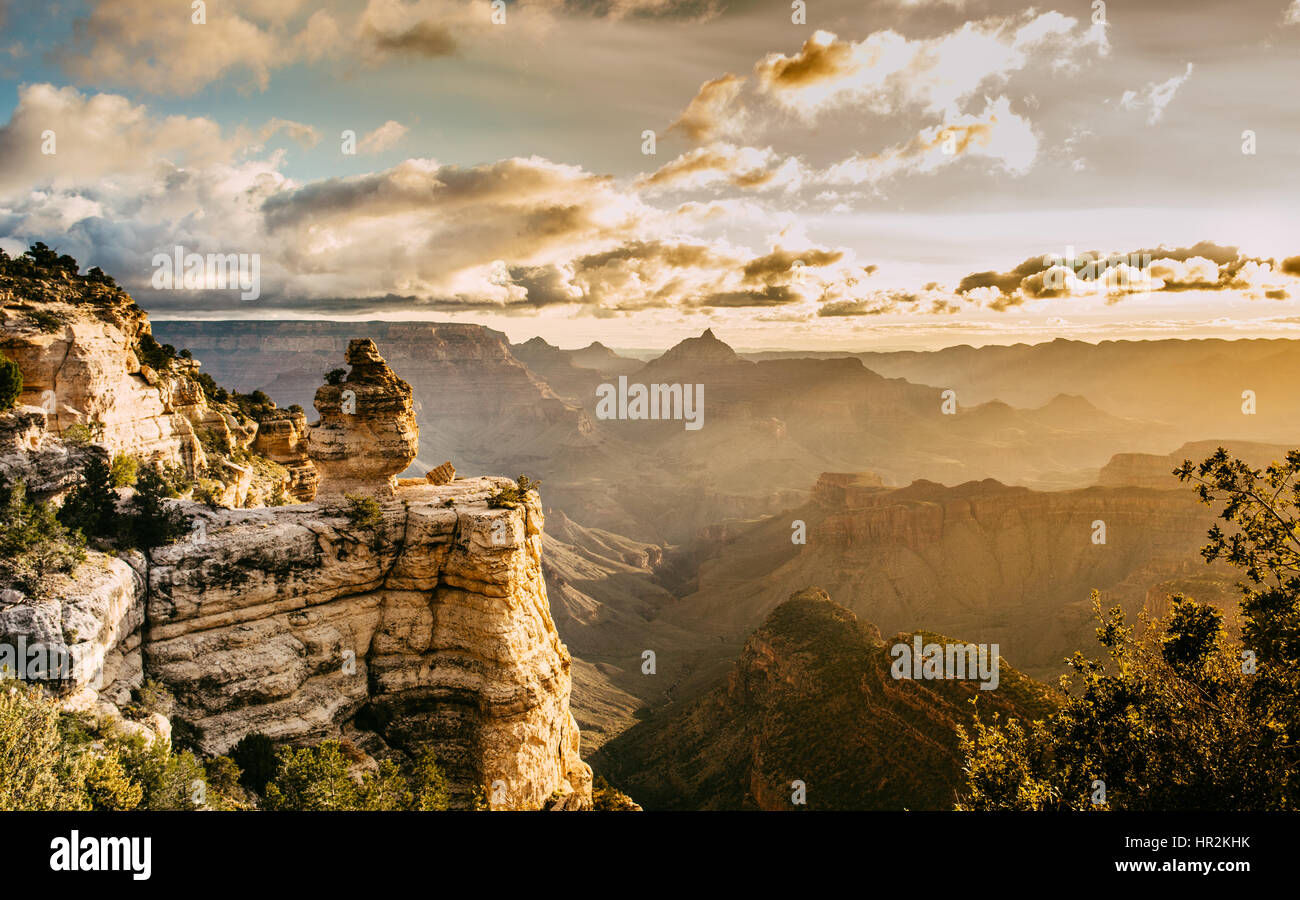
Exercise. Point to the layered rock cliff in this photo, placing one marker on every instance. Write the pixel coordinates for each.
(431, 629)
(990, 562)
(81, 365)
(475, 402)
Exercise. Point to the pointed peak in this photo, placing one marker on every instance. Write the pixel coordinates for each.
(703, 350)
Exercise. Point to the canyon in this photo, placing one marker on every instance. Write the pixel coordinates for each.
(511, 637)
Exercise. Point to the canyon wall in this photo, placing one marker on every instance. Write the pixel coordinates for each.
(431, 629)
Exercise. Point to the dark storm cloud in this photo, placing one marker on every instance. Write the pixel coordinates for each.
(772, 295)
(876, 304)
(786, 262)
(428, 39)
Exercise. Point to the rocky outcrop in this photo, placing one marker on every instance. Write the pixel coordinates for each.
(443, 474)
(476, 403)
(81, 367)
(991, 562)
(431, 629)
(282, 438)
(811, 702)
(90, 627)
(846, 489)
(367, 432)
(49, 466)
(428, 628)
(1151, 470)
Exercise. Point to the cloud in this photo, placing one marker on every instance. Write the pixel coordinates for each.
(305, 135)
(382, 138)
(395, 28)
(125, 184)
(1155, 96)
(726, 164)
(996, 134)
(885, 71)
(878, 303)
(1205, 266)
(157, 47)
(101, 135)
(709, 113)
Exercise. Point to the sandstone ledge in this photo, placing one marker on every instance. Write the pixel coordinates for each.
(431, 629)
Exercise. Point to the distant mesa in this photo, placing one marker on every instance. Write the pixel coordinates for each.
(367, 431)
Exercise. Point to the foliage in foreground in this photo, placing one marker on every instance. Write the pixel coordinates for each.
(52, 760)
(34, 544)
(1179, 715)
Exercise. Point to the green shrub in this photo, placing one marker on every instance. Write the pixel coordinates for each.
(34, 544)
(429, 790)
(319, 778)
(151, 521)
(33, 761)
(335, 376)
(255, 757)
(511, 497)
(176, 481)
(363, 512)
(154, 355)
(315, 779)
(91, 507)
(167, 780)
(11, 383)
(123, 472)
(151, 697)
(78, 435)
(46, 321)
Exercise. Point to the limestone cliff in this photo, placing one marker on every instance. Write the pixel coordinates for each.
(431, 629)
(81, 366)
(990, 562)
(282, 438)
(81, 347)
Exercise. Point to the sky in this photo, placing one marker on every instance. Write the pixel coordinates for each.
(874, 174)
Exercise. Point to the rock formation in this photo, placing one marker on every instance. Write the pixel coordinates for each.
(282, 437)
(811, 698)
(442, 474)
(428, 629)
(29, 451)
(990, 562)
(367, 432)
(85, 370)
(431, 630)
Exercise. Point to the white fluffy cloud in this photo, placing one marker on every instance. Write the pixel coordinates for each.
(1155, 96)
